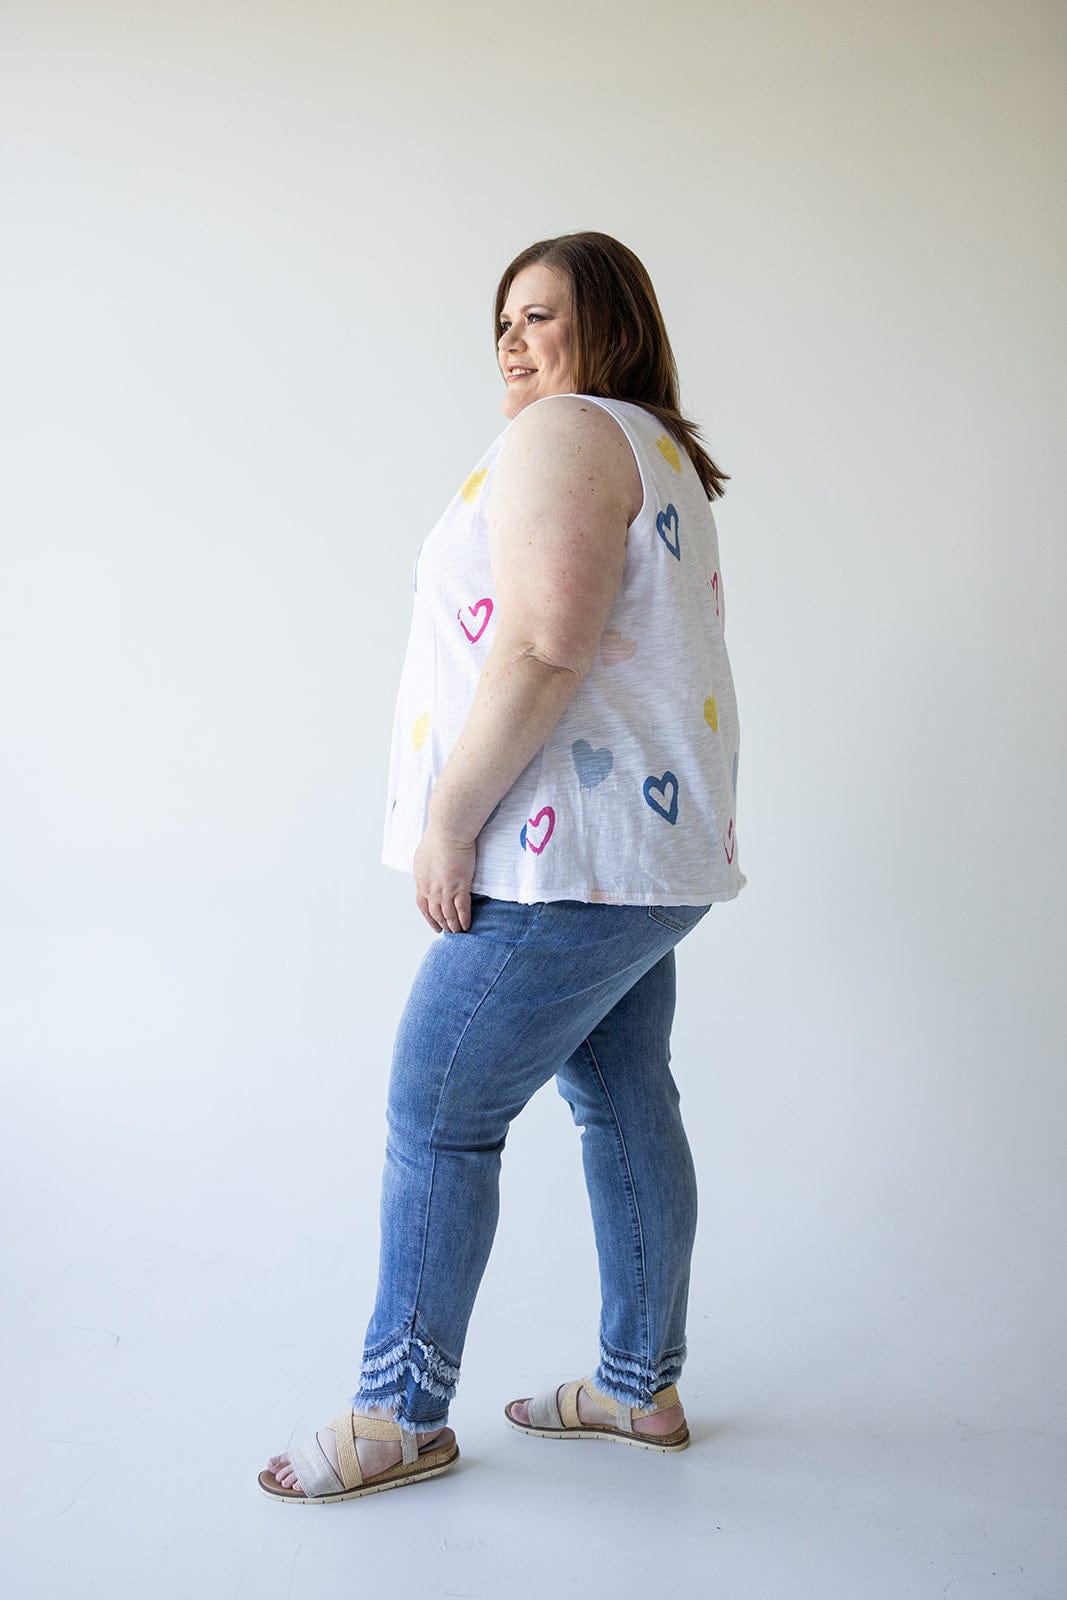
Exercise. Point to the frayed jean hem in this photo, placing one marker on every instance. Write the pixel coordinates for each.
(413, 1379)
(636, 1383)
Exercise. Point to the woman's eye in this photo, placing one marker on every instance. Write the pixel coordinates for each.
(531, 316)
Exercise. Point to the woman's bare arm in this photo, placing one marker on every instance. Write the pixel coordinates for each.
(565, 487)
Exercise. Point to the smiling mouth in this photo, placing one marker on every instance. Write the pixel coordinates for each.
(519, 372)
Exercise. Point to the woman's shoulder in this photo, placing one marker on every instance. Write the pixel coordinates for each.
(617, 427)
(562, 413)
(571, 435)
(562, 426)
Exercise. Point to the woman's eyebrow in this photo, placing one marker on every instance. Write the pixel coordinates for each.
(543, 304)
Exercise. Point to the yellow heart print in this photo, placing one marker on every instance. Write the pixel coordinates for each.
(473, 486)
(669, 451)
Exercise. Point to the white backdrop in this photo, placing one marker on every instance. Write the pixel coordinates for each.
(247, 278)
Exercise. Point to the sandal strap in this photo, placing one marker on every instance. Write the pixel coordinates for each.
(543, 1410)
(663, 1399)
(364, 1427)
(568, 1404)
(625, 1413)
(312, 1467)
(347, 1457)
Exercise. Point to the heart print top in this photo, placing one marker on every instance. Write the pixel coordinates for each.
(632, 799)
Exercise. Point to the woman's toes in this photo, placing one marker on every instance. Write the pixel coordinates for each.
(520, 1410)
(281, 1470)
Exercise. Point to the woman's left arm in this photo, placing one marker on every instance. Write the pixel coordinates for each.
(562, 497)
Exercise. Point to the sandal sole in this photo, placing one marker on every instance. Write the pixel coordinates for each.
(613, 1435)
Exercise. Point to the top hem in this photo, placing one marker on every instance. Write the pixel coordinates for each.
(673, 897)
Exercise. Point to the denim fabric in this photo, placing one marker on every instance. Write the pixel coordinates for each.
(581, 991)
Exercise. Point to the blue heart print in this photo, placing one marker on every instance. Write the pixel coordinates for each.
(658, 786)
(669, 520)
(592, 766)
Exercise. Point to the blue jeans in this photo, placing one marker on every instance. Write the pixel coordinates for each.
(581, 991)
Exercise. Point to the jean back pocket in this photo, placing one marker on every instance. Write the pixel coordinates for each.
(678, 918)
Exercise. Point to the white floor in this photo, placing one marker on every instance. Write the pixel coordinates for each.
(876, 1399)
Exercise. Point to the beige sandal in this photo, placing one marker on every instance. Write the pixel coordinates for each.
(321, 1484)
(553, 1414)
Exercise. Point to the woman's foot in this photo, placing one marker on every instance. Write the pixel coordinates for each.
(375, 1455)
(655, 1424)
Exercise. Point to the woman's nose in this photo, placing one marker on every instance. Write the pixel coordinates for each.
(511, 339)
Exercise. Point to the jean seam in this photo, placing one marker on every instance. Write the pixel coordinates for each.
(635, 1209)
(444, 1080)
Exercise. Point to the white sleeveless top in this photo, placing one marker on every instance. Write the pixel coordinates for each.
(631, 800)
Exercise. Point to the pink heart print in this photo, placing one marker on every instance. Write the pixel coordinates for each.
(730, 843)
(546, 814)
(485, 605)
(715, 591)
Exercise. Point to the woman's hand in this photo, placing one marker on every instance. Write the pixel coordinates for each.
(443, 868)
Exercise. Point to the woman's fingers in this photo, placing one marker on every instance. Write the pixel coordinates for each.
(449, 913)
(457, 918)
(452, 911)
(423, 903)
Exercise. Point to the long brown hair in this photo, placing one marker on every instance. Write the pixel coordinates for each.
(622, 348)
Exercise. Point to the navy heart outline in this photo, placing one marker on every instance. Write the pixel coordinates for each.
(587, 765)
(651, 783)
(669, 519)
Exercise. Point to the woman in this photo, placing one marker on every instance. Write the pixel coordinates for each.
(562, 785)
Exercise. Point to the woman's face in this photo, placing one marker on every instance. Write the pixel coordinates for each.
(536, 343)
